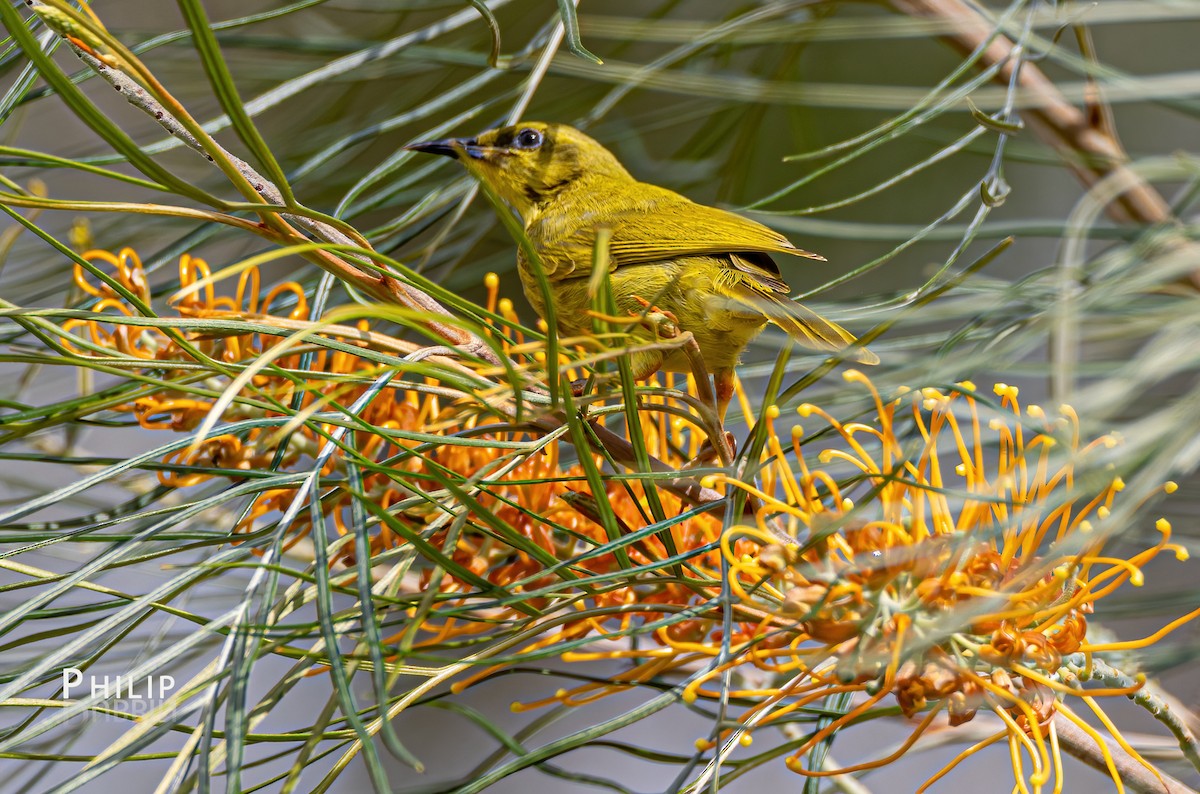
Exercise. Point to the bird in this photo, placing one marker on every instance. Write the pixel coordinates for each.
(710, 271)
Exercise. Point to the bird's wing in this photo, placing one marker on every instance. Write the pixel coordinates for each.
(803, 324)
(665, 225)
(762, 268)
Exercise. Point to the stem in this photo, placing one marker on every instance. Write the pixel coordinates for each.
(1086, 147)
(382, 287)
(1136, 777)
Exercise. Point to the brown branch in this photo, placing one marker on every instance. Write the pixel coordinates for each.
(1086, 147)
(1134, 775)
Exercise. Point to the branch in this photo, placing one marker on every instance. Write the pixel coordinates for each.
(1133, 774)
(382, 287)
(1090, 150)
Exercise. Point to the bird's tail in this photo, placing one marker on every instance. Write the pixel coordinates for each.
(806, 326)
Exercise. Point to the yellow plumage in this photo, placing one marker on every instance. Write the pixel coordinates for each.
(712, 269)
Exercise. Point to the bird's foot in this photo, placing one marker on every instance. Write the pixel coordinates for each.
(661, 321)
(580, 387)
(712, 454)
(650, 307)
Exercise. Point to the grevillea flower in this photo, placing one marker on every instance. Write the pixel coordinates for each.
(530, 505)
(922, 556)
(961, 581)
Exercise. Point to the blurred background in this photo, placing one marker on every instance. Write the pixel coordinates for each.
(845, 125)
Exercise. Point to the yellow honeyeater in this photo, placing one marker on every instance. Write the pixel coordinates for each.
(710, 268)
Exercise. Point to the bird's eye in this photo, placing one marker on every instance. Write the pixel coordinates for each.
(528, 139)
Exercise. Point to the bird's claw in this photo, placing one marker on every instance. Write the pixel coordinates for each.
(649, 308)
(661, 321)
(708, 452)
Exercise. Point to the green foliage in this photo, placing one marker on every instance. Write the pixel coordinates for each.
(971, 232)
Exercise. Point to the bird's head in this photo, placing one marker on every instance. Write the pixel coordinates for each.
(531, 163)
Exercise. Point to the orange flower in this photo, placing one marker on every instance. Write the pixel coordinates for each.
(959, 581)
(926, 556)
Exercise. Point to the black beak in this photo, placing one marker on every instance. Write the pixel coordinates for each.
(449, 147)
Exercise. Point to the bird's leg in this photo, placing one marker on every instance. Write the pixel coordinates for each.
(723, 380)
(661, 323)
(666, 324)
(726, 447)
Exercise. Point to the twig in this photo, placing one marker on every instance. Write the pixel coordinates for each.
(1087, 145)
(686, 488)
(1087, 148)
(1136, 777)
(1170, 712)
(382, 287)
